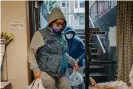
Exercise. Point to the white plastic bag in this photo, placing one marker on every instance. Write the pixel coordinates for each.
(36, 84)
(75, 79)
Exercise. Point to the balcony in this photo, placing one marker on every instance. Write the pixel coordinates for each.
(100, 8)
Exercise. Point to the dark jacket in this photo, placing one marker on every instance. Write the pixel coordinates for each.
(76, 47)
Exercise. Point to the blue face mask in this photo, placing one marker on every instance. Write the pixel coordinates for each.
(56, 29)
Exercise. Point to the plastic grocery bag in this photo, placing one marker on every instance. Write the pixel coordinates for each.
(75, 79)
(36, 84)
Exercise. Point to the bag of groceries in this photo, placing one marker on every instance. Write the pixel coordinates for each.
(75, 79)
(36, 84)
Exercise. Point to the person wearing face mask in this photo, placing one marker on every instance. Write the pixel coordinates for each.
(76, 49)
(47, 54)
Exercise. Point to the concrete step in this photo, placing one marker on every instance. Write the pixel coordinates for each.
(89, 41)
(79, 30)
(99, 77)
(94, 59)
(80, 33)
(96, 68)
(93, 50)
(97, 74)
(91, 44)
(101, 62)
(94, 55)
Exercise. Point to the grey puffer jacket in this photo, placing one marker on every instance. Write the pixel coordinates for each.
(45, 53)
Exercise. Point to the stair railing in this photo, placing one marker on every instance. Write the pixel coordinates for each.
(97, 36)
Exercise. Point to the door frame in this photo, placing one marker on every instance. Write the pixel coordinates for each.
(33, 26)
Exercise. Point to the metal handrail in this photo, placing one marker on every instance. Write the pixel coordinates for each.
(106, 12)
(112, 6)
(93, 4)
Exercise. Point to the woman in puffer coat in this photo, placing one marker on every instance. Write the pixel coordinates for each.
(47, 53)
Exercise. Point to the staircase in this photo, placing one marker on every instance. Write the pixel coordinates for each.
(96, 70)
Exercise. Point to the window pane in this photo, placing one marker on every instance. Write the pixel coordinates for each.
(81, 20)
(76, 4)
(82, 4)
(63, 4)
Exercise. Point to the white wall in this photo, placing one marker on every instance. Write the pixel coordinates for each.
(112, 36)
(17, 65)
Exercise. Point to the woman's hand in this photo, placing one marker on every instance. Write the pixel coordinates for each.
(37, 75)
(76, 67)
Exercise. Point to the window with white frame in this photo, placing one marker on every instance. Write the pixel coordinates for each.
(76, 4)
(76, 20)
(82, 3)
(64, 4)
(81, 20)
